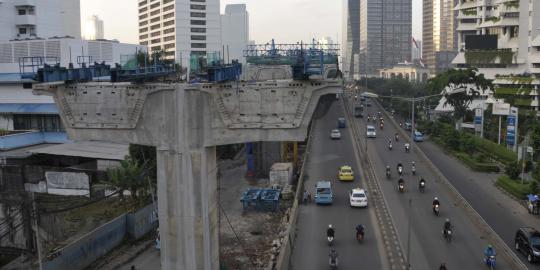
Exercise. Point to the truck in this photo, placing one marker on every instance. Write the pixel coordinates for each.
(281, 174)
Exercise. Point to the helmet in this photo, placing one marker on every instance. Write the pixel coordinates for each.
(447, 220)
(436, 199)
(490, 246)
(329, 225)
(413, 163)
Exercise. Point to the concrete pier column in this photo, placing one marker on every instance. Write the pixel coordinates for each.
(188, 209)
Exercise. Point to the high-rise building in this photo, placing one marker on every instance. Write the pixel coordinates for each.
(502, 40)
(235, 32)
(93, 28)
(23, 19)
(350, 45)
(439, 34)
(385, 34)
(182, 28)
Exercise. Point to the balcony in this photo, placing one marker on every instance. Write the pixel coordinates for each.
(25, 3)
(25, 20)
(503, 56)
(467, 27)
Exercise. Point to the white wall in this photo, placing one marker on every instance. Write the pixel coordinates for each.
(235, 31)
(52, 18)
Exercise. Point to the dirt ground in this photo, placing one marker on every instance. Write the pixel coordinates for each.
(245, 236)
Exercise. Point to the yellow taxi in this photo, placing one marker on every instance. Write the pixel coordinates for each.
(345, 173)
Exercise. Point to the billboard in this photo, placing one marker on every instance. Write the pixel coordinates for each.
(481, 42)
(67, 183)
(501, 109)
(511, 130)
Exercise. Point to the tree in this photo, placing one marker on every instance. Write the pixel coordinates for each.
(128, 176)
(451, 82)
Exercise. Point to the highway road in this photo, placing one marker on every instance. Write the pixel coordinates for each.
(311, 249)
(428, 248)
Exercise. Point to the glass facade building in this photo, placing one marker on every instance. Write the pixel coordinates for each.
(351, 38)
(385, 34)
(439, 34)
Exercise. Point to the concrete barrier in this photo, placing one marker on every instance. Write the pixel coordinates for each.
(141, 222)
(283, 259)
(490, 235)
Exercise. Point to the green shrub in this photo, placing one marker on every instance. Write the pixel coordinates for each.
(514, 187)
(499, 152)
(512, 170)
(476, 165)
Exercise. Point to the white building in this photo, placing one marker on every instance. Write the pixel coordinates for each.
(409, 71)
(235, 31)
(39, 18)
(93, 28)
(180, 27)
(502, 39)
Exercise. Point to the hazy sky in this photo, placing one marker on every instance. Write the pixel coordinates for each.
(284, 20)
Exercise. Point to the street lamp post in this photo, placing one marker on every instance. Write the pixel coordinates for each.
(409, 237)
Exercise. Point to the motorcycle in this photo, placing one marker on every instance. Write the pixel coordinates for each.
(396, 138)
(388, 173)
(413, 169)
(330, 240)
(436, 209)
(390, 146)
(490, 261)
(400, 170)
(382, 126)
(422, 187)
(333, 262)
(407, 148)
(359, 236)
(401, 187)
(448, 234)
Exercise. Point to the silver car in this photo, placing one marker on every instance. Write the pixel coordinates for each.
(335, 134)
(370, 132)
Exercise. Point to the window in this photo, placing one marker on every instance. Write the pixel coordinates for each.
(198, 22)
(155, 12)
(156, 48)
(143, 23)
(200, 1)
(198, 14)
(142, 30)
(198, 30)
(144, 43)
(198, 45)
(22, 11)
(169, 30)
(48, 123)
(156, 19)
(157, 40)
(167, 23)
(142, 3)
(168, 46)
(143, 16)
(154, 5)
(167, 1)
(155, 26)
(154, 34)
(22, 30)
(143, 9)
(170, 15)
(198, 7)
(198, 37)
(167, 8)
(169, 38)
(143, 36)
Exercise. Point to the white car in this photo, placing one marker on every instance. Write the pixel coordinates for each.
(358, 197)
(370, 132)
(335, 134)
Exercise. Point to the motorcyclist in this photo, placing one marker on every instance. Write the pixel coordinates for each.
(436, 202)
(442, 267)
(333, 257)
(401, 182)
(407, 147)
(422, 183)
(330, 232)
(413, 167)
(399, 165)
(490, 251)
(360, 229)
(387, 169)
(447, 226)
(396, 136)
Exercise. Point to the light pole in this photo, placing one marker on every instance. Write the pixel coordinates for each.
(409, 237)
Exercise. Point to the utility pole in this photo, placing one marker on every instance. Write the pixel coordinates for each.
(409, 237)
(36, 231)
(412, 119)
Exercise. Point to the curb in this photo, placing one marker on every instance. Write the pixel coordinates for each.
(469, 210)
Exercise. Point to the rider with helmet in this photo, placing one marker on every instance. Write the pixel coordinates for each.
(330, 232)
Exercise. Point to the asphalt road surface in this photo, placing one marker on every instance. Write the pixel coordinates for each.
(428, 248)
(311, 249)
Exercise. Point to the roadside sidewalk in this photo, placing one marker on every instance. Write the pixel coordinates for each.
(479, 189)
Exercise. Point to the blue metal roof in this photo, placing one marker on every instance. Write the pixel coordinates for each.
(38, 108)
(13, 78)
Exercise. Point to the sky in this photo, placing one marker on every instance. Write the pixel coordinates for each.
(283, 20)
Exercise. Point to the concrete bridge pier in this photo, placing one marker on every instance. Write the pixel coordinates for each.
(186, 122)
(188, 209)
